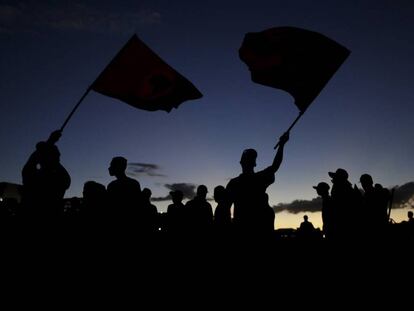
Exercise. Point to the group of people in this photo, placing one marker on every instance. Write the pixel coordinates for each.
(45, 182)
(353, 213)
(124, 203)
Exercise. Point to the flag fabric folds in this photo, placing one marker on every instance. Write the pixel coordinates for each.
(295, 60)
(140, 78)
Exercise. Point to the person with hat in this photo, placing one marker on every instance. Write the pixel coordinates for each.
(248, 191)
(345, 202)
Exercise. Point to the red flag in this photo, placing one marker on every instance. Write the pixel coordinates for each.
(142, 79)
(298, 61)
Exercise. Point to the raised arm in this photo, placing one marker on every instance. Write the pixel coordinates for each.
(279, 154)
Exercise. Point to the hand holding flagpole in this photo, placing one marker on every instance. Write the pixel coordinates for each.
(290, 127)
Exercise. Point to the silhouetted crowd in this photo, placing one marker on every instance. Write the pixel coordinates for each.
(348, 213)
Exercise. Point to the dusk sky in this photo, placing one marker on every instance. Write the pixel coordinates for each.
(362, 121)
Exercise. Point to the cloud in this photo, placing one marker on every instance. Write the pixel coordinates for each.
(187, 189)
(403, 198)
(299, 206)
(148, 169)
(29, 16)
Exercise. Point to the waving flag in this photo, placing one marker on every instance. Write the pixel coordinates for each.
(298, 61)
(140, 78)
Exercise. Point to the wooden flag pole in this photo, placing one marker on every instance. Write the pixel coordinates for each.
(75, 108)
(292, 125)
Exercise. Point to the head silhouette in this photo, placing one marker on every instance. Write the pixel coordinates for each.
(322, 189)
(219, 193)
(339, 176)
(248, 159)
(93, 192)
(410, 215)
(92, 189)
(366, 182)
(202, 191)
(305, 218)
(117, 167)
(176, 196)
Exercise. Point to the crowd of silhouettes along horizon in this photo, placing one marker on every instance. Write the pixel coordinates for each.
(348, 212)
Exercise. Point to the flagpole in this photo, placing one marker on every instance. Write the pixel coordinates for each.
(89, 88)
(292, 125)
(75, 108)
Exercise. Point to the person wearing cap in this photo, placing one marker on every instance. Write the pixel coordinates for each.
(328, 216)
(45, 181)
(345, 202)
(248, 191)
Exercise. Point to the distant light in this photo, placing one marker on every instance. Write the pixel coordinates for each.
(1, 199)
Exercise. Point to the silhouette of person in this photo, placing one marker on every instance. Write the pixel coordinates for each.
(124, 193)
(322, 189)
(410, 216)
(384, 200)
(200, 211)
(248, 191)
(94, 204)
(407, 227)
(344, 199)
(176, 213)
(222, 213)
(45, 181)
(149, 215)
(375, 201)
(306, 229)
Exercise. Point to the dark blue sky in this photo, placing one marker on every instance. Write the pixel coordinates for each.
(361, 121)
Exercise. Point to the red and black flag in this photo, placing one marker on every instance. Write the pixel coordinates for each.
(143, 80)
(298, 61)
